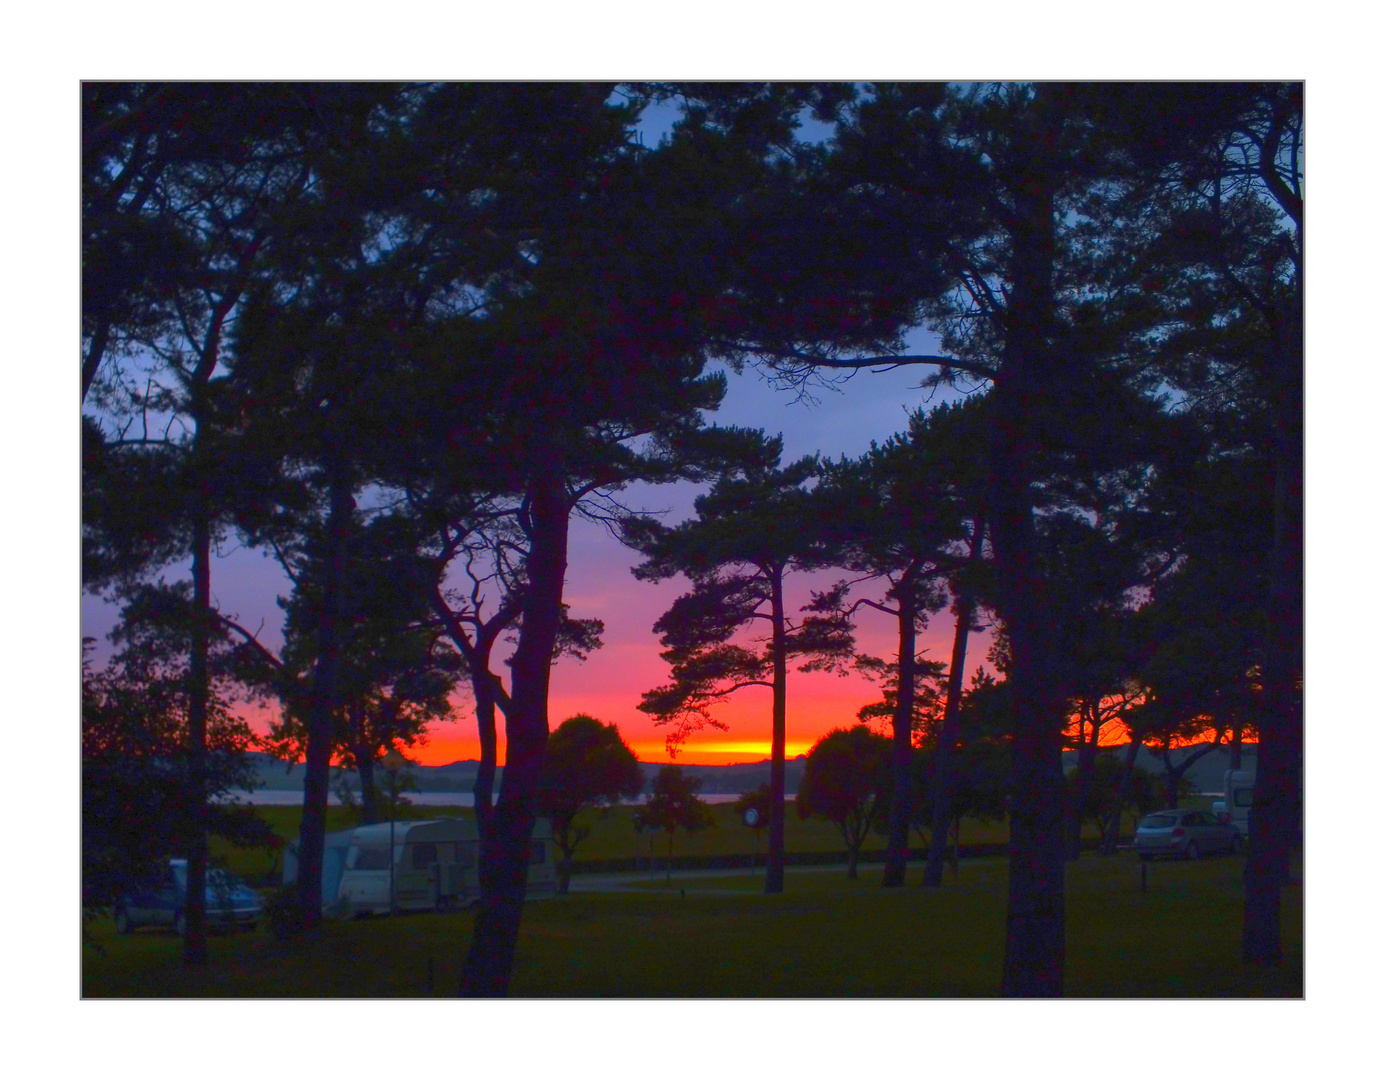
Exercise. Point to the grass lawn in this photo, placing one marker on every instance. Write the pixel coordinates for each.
(613, 836)
(826, 936)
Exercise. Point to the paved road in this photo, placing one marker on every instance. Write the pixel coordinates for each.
(688, 879)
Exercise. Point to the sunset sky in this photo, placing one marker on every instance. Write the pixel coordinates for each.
(599, 585)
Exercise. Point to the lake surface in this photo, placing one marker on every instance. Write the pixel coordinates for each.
(417, 798)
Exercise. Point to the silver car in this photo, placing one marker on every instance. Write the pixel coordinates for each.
(1184, 834)
(161, 902)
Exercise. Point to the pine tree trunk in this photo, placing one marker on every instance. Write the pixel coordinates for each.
(1029, 396)
(199, 692)
(321, 728)
(943, 769)
(1086, 766)
(1034, 922)
(1111, 836)
(774, 859)
(901, 748)
(1034, 940)
(504, 854)
(1276, 813)
(483, 789)
(365, 769)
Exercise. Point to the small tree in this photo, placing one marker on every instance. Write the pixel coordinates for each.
(846, 779)
(673, 805)
(586, 765)
(1110, 793)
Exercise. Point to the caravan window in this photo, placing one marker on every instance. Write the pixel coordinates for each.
(372, 858)
(424, 855)
(1244, 796)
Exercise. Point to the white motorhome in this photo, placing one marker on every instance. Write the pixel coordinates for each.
(1238, 791)
(435, 867)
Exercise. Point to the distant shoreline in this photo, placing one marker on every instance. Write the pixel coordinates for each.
(294, 797)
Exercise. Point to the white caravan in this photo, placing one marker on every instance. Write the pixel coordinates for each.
(1238, 791)
(435, 867)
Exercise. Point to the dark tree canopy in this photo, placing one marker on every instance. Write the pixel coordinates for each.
(586, 765)
(846, 779)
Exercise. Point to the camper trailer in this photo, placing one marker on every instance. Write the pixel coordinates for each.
(435, 867)
(1238, 790)
(334, 848)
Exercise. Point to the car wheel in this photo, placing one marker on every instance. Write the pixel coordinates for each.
(122, 921)
(180, 923)
(1192, 851)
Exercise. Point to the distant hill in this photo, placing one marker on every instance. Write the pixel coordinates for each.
(1204, 775)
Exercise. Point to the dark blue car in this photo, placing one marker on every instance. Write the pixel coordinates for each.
(230, 902)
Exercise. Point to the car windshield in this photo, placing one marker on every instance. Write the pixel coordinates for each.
(1159, 821)
(220, 879)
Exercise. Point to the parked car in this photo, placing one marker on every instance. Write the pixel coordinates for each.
(1184, 834)
(230, 902)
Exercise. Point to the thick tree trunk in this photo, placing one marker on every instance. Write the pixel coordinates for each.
(483, 790)
(948, 738)
(321, 734)
(1034, 923)
(901, 748)
(1029, 399)
(504, 854)
(1034, 939)
(1276, 814)
(199, 692)
(774, 858)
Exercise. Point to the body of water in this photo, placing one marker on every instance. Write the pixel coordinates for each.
(281, 797)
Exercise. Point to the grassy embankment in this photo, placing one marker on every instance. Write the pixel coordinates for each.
(825, 936)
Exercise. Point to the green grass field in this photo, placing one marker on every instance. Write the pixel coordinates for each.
(613, 836)
(825, 936)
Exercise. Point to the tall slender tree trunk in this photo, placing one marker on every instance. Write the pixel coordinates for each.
(1276, 813)
(901, 746)
(1028, 394)
(199, 693)
(944, 781)
(1086, 766)
(317, 767)
(1110, 835)
(365, 769)
(505, 854)
(774, 858)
